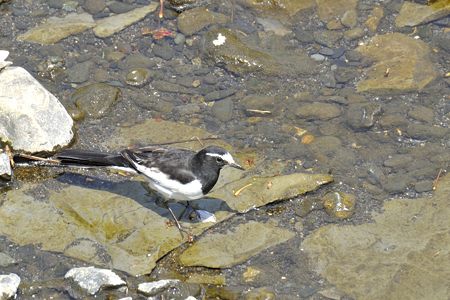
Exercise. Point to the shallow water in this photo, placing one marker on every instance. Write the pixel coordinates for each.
(381, 139)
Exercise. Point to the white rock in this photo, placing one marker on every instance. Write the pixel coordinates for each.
(5, 166)
(8, 285)
(93, 279)
(31, 118)
(154, 287)
(3, 55)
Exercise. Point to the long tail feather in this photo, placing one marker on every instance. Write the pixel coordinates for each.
(91, 158)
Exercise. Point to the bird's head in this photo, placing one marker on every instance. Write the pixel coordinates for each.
(219, 157)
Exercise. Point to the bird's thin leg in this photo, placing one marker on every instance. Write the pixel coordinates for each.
(165, 204)
(161, 9)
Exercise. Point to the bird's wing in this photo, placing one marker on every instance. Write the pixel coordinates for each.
(174, 162)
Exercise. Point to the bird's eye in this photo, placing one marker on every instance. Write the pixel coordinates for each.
(219, 160)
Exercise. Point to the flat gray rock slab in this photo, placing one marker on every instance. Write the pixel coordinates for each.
(31, 118)
(234, 247)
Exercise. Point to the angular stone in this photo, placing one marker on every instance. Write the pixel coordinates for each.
(111, 25)
(5, 166)
(93, 279)
(247, 193)
(56, 29)
(155, 287)
(413, 14)
(194, 20)
(335, 9)
(387, 258)
(406, 62)
(225, 48)
(234, 247)
(32, 119)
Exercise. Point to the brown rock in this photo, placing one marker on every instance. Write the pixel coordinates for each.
(194, 20)
(402, 64)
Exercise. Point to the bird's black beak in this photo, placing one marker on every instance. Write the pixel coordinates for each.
(235, 165)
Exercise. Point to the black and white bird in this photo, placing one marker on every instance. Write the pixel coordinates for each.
(176, 174)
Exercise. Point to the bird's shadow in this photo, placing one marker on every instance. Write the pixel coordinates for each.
(139, 192)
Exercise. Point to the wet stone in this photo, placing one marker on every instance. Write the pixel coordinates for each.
(327, 38)
(187, 109)
(350, 18)
(409, 58)
(194, 20)
(326, 51)
(393, 120)
(223, 110)
(424, 132)
(79, 73)
(398, 161)
(339, 204)
(422, 113)
(56, 29)
(256, 105)
(164, 51)
(96, 99)
(136, 61)
(260, 293)
(235, 246)
(169, 87)
(138, 77)
(6, 260)
(345, 74)
(119, 7)
(93, 279)
(94, 6)
(111, 25)
(396, 183)
(8, 286)
(359, 259)
(318, 111)
(361, 116)
(354, 34)
(219, 94)
(318, 57)
(413, 14)
(423, 186)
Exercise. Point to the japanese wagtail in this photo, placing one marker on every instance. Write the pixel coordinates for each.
(176, 174)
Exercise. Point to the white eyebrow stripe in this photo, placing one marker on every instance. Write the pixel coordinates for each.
(226, 157)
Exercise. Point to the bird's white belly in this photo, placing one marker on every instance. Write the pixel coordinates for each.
(172, 189)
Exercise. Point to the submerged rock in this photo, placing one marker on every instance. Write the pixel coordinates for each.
(224, 47)
(402, 64)
(388, 258)
(96, 99)
(32, 119)
(194, 20)
(339, 205)
(56, 29)
(235, 246)
(413, 14)
(8, 286)
(109, 26)
(93, 279)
